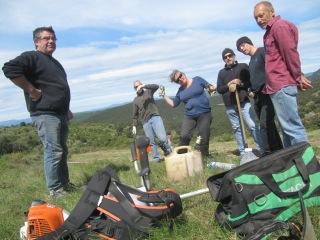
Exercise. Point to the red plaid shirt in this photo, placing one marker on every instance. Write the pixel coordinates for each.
(283, 67)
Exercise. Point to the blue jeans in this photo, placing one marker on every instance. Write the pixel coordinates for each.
(285, 105)
(155, 126)
(250, 122)
(53, 132)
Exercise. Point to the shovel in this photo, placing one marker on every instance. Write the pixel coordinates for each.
(248, 154)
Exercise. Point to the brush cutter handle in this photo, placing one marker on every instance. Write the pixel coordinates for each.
(133, 151)
(142, 143)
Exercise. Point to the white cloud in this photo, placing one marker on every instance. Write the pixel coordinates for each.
(106, 45)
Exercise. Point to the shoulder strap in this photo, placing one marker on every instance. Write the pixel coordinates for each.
(97, 187)
(171, 199)
(108, 229)
(122, 216)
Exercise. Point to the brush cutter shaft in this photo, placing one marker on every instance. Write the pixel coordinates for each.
(195, 193)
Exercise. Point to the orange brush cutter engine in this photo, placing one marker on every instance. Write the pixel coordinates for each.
(43, 218)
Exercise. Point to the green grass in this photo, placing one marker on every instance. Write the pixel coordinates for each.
(22, 180)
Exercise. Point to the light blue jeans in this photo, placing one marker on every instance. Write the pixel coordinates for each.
(53, 132)
(286, 107)
(154, 126)
(250, 122)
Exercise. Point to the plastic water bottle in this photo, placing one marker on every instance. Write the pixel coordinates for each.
(248, 156)
(221, 165)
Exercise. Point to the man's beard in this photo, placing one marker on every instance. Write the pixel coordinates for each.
(140, 92)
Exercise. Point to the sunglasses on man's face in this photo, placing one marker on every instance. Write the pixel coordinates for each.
(228, 56)
(178, 78)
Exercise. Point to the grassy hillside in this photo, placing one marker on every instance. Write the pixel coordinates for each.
(22, 180)
(172, 117)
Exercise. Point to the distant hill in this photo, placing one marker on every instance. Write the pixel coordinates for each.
(309, 110)
(122, 114)
(14, 122)
(172, 117)
(315, 76)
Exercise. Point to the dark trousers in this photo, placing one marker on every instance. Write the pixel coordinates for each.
(202, 123)
(269, 134)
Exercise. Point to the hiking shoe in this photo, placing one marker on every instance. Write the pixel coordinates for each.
(159, 161)
(236, 152)
(57, 193)
(69, 187)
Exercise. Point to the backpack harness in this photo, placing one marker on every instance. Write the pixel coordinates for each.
(107, 208)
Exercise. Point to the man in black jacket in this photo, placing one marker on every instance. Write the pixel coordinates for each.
(235, 77)
(262, 101)
(47, 95)
(145, 108)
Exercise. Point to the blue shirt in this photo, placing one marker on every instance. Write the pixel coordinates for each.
(194, 97)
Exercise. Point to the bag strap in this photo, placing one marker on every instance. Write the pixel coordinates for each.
(308, 230)
(274, 186)
(294, 229)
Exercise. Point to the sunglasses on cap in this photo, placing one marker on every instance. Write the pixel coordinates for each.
(178, 78)
(228, 56)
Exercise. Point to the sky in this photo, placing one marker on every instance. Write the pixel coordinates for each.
(105, 45)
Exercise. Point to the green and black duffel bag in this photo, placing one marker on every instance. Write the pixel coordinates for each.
(265, 191)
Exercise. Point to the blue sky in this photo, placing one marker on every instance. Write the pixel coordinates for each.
(104, 45)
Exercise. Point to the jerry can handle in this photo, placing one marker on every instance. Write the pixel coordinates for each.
(182, 147)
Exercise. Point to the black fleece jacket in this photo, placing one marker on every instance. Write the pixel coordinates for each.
(45, 73)
(239, 71)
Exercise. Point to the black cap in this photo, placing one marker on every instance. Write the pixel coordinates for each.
(227, 50)
(243, 40)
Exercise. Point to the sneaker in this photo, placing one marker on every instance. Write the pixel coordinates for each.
(57, 193)
(209, 155)
(69, 187)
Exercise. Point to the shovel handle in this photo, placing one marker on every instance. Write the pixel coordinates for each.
(241, 119)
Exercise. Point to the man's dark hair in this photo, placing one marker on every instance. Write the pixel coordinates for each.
(37, 31)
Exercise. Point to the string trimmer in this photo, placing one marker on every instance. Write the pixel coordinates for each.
(139, 151)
